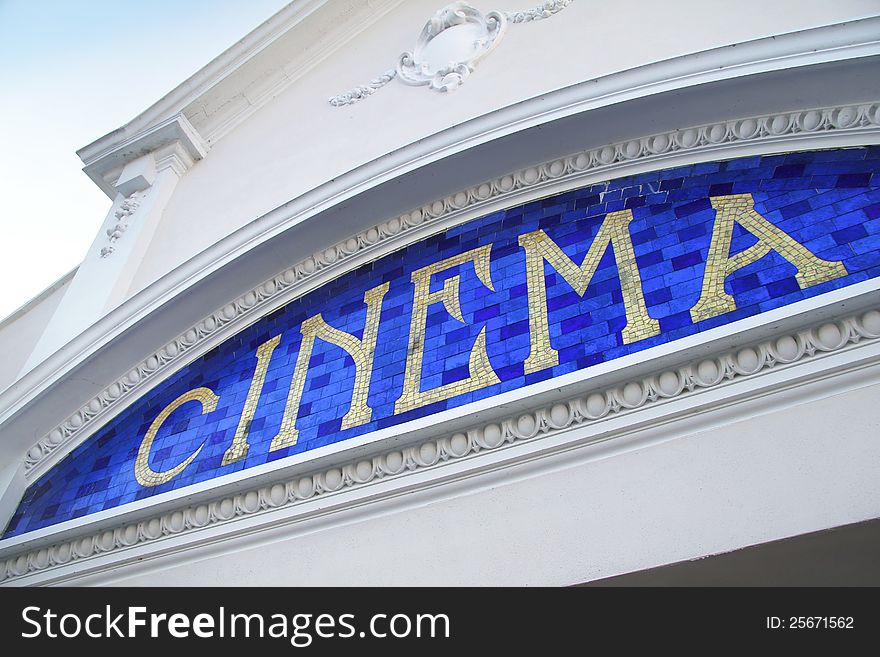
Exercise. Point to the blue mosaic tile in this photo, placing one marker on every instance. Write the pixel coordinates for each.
(829, 201)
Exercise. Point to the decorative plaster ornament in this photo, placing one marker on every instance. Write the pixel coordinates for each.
(453, 40)
(123, 214)
(450, 45)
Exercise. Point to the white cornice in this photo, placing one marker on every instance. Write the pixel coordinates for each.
(821, 352)
(103, 166)
(270, 58)
(242, 79)
(218, 69)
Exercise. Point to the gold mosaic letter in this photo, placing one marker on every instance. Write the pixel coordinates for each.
(539, 247)
(144, 474)
(481, 372)
(239, 448)
(360, 350)
(720, 264)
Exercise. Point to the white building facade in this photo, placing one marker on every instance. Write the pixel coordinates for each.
(562, 293)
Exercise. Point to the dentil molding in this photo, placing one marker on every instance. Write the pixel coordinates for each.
(449, 47)
(708, 372)
(568, 172)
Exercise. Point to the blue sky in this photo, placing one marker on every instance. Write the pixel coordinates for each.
(70, 72)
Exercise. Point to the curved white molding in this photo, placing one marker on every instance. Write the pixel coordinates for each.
(560, 174)
(451, 43)
(851, 44)
(708, 372)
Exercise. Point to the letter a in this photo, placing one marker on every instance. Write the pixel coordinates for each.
(713, 301)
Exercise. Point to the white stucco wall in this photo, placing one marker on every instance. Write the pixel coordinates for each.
(20, 331)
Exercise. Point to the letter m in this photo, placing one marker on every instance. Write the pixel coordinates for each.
(539, 248)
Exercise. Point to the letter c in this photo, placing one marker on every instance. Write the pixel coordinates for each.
(145, 475)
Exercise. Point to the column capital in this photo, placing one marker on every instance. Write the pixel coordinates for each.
(117, 164)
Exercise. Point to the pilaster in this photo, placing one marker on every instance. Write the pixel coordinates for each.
(140, 176)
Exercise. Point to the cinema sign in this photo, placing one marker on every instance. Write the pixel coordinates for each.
(492, 305)
(539, 249)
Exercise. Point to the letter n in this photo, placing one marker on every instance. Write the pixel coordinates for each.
(361, 351)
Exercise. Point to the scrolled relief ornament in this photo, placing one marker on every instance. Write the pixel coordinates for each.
(451, 43)
(123, 215)
(542, 11)
(361, 92)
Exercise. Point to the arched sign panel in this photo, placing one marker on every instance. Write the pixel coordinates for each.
(492, 305)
